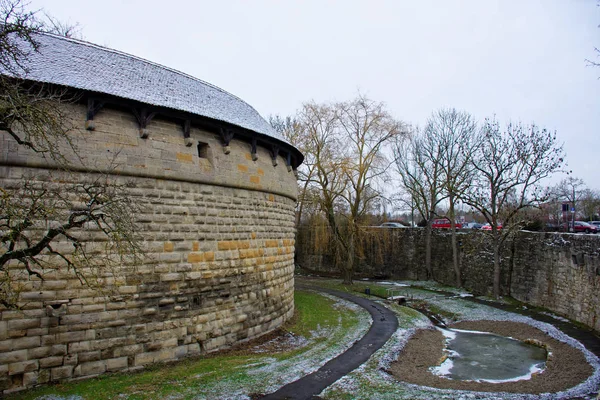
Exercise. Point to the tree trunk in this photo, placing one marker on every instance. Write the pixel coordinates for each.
(348, 270)
(496, 242)
(511, 264)
(455, 264)
(428, 267)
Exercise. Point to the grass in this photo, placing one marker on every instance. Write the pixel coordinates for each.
(326, 323)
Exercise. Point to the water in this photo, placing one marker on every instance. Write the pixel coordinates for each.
(486, 357)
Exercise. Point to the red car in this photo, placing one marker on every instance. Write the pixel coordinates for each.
(444, 223)
(488, 227)
(580, 227)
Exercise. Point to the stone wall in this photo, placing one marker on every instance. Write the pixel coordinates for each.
(219, 234)
(558, 271)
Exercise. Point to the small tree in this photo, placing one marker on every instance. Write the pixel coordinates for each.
(59, 220)
(590, 204)
(510, 165)
(571, 190)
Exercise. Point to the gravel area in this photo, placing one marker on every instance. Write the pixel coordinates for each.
(566, 367)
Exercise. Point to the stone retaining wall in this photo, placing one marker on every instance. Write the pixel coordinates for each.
(218, 230)
(557, 271)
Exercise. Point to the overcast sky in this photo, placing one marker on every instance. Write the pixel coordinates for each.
(520, 60)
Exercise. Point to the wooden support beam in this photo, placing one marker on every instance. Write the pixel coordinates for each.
(186, 133)
(254, 151)
(93, 108)
(288, 161)
(226, 137)
(143, 117)
(274, 154)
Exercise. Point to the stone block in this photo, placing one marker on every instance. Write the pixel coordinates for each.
(13, 356)
(91, 368)
(60, 373)
(171, 277)
(88, 356)
(3, 330)
(67, 337)
(30, 379)
(23, 324)
(51, 362)
(115, 364)
(23, 366)
(26, 342)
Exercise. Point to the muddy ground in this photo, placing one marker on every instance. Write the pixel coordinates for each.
(565, 368)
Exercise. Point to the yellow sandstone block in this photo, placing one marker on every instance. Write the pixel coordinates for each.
(195, 246)
(185, 157)
(242, 168)
(168, 247)
(260, 171)
(209, 256)
(255, 179)
(195, 257)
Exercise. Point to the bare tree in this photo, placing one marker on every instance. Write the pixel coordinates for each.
(510, 165)
(343, 144)
(323, 147)
(302, 132)
(419, 164)
(61, 28)
(60, 220)
(593, 63)
(571, 190)
(590, 204)
(455, 133)
(88, 226)
(367, 128)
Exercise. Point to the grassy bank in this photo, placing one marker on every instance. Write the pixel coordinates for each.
(322, 328)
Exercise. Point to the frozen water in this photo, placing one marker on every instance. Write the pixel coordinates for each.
(486, 357)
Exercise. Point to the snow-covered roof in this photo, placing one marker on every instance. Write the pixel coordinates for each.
(83, 65)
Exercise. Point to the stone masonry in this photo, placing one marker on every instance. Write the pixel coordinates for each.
(557, 271)
(219, 233)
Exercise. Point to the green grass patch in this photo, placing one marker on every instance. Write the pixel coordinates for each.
(318, 318)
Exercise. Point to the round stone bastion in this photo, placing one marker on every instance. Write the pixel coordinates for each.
(215, 189)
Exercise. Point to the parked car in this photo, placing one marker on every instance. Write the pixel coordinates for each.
(472, 225)
(596, 224)
(444, 223)
(392, 225)
(580, 227)
(488, 227)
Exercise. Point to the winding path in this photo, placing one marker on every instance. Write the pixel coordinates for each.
(384, 325)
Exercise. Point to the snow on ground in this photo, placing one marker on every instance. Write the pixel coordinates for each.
(266, 375)
(371, 381)
(556, 317)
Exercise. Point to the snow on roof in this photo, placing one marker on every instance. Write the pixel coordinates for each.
(83, 65)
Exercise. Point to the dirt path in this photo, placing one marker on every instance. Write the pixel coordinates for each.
(384, 325)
